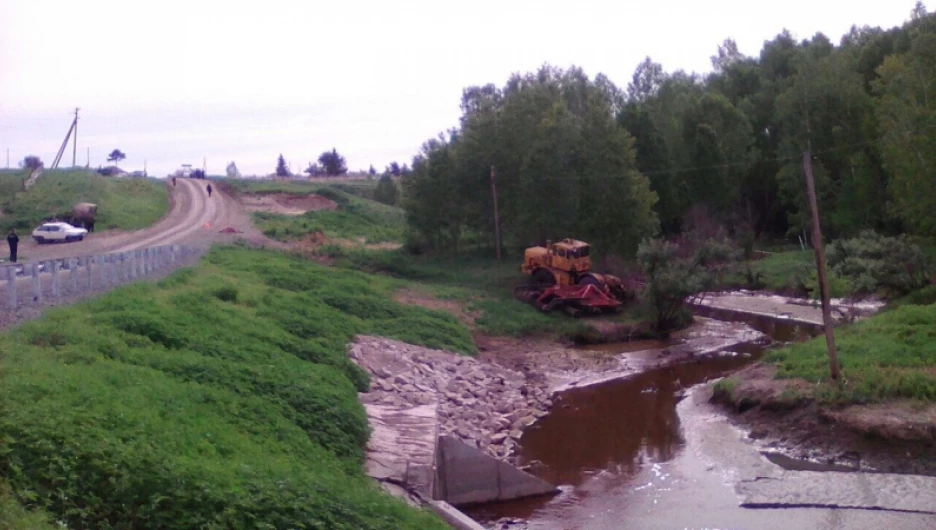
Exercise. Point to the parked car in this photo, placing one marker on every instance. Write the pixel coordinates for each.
(53, 232)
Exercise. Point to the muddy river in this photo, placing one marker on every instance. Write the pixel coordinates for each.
(649, 452)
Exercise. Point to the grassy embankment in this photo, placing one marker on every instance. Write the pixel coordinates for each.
(221, 397)
(123, 203)
(889, 356)
(480, 285)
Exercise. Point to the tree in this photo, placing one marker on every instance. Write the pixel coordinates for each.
(648, 77)
(281, 169)
(564, 168)
(232, 171)
(386, 191)
(332, 163)
(372, 171)
(671, 278)
(31, 162)
(727, 55)
(394, 169)
(116, 156)
(906, 111)
(314, 170)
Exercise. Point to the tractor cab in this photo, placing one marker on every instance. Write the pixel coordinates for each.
(570, 255)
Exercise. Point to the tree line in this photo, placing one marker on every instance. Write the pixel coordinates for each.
(577, 156)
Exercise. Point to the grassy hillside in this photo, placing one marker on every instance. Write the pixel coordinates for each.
(220, 398)
(126, 204)
(357, 218)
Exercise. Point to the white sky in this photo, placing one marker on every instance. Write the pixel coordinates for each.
(174, 82)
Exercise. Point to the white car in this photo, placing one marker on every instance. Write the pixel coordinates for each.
(52, 232)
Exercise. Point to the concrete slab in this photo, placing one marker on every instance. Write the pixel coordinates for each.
(465, 475)
(401, 448)
(871, 491)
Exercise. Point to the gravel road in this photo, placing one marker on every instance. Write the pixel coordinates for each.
(193, 218)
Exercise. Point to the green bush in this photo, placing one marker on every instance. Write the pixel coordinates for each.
(877, 264)
(671, 278)
(197, 404)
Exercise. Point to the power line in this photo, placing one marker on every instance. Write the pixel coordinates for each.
(727, 165)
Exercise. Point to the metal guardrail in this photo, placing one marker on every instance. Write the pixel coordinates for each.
(56, 278)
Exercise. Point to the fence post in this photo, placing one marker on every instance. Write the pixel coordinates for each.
(88, 260)
(103, 274)
(55, 279)
(73, 274)
(36, 283)
(11, 288)
(141, 263)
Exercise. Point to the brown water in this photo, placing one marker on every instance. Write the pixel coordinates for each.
(612, 430)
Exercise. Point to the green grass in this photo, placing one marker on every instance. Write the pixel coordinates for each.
(360, 187)
(783, 271)
(14, 517)
(123, 203)
(891, 355)
(221, 397)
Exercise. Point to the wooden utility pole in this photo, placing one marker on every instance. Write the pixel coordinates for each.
(820, 266)
(75, 142)
(497, 237)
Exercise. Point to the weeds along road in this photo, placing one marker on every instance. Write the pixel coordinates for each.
(193, 218)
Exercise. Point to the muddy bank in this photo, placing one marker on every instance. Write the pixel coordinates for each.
(892, 437)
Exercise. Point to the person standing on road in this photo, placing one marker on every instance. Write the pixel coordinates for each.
(173, 181)
(13, 241)
(209, 190)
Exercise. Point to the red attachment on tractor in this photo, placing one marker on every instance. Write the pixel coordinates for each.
(573, 299)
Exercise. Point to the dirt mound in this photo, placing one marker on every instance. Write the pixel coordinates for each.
(286, 203)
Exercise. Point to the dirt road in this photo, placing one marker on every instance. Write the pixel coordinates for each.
(193, 218)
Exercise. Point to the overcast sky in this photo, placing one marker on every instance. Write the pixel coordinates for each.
(173, 82)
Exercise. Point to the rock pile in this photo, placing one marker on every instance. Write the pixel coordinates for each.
(485, 405)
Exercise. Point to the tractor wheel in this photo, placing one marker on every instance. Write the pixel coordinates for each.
(544, 278)
(588, 279)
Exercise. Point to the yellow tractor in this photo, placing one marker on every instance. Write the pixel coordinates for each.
(562, 277)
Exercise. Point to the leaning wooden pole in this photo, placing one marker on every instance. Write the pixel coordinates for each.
(497, 236)
(820, 266)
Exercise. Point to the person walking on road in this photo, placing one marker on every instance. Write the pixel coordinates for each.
(13, 241)
(209, 190)
(173, 181)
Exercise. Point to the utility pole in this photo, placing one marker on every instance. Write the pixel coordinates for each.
(88, 163)
(497, 236)
(75, 144)
(8, 158)
(820, 266)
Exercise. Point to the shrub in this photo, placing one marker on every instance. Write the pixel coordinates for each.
(877, 264)
(671, 278)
